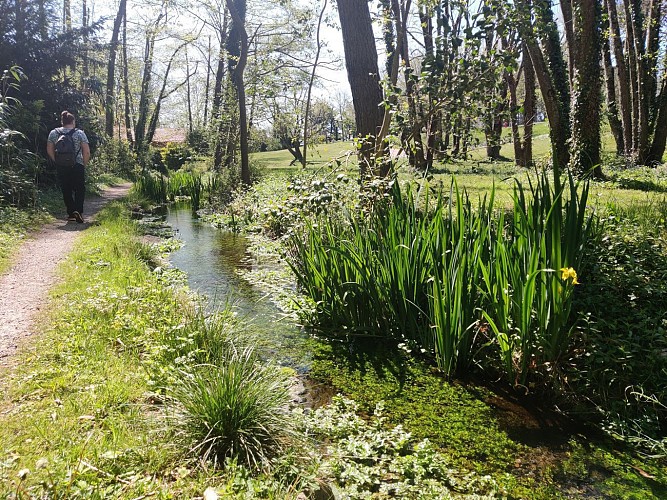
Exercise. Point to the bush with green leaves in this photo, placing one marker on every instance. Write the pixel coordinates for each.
(198, 140)
(236, 408)
(18, 165)
(619, 368)
(174, 155)
(114, 157)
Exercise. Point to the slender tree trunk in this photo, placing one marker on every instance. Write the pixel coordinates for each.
(129, 126)
(208, 81)
(84, 23)
(568, 24)
(142, 119)
(237, 12)
(43, 22)
(612, 109)
(189, 97)
(67, 16)
(217, 96)
(310, 84)
(552, 78)
(528, 109)
(558, 127)
(109, 101)
(624, 87)
(433, 124)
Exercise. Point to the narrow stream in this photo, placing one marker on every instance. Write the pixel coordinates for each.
(211, 259)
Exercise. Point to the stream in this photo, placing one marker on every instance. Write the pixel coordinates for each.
(212, 259)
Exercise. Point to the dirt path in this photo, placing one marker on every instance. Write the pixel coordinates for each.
(24, 288)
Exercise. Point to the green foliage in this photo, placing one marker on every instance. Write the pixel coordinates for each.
(621, 365)
(174, 155)
(18, 166)
(438, 277)
(198, 140)
(369, 459)
(114, 157)
(155, 187)
(236, 408)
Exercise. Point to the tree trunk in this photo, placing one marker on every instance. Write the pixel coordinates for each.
(612, 109)
(109, 101)
(237, 9)
(568, 25)
(586, 102)
(142, 118)
(558, 126)
(660, 137)
(310, 84)
(528, 109)
(208, 81)
(363, 75)
(43, 22)
(67, 16)
(624, 87)
(84, 24)
(126, 87)
(189, 97)
(551, 76)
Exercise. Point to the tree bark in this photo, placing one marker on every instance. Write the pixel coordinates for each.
(660, 137)
(586, 95)
(612, 109)
(237, 12)
(363, 75)
(126, 87)
(109, 101)
(624, 87)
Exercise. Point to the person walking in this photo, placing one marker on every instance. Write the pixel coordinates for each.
(68, 148)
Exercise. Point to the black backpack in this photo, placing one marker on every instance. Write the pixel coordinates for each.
(65, 152)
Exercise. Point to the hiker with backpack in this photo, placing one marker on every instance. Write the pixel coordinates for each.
(68, 148)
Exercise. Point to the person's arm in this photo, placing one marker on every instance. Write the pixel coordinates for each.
(85, 151)
(51, 150)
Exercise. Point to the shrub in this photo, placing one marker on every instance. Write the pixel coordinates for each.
(198, 140)
(18, 166)
(114, 157)
(236, 409)
(174, 155)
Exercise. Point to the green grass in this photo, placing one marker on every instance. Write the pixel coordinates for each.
(82, 409)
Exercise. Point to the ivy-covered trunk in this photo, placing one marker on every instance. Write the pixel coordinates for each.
(585, 53)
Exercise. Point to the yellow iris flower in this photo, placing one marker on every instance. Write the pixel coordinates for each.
(568, 272)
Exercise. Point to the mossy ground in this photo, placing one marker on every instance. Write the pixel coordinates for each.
(531, 453)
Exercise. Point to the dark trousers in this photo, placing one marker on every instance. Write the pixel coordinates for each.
(73, 185)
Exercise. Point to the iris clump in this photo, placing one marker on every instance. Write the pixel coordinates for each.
(466, 283)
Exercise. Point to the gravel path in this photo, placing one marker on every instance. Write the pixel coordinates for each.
(24, 287)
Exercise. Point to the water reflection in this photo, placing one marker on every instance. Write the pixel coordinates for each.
(212, 258)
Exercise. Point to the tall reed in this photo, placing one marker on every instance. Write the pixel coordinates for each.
(433, 272)
(153, 186)
(531, 272)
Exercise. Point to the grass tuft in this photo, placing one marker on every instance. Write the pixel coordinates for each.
(237, 410)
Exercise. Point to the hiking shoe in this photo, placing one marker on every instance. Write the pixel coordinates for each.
(71, 218)
(78, 217)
